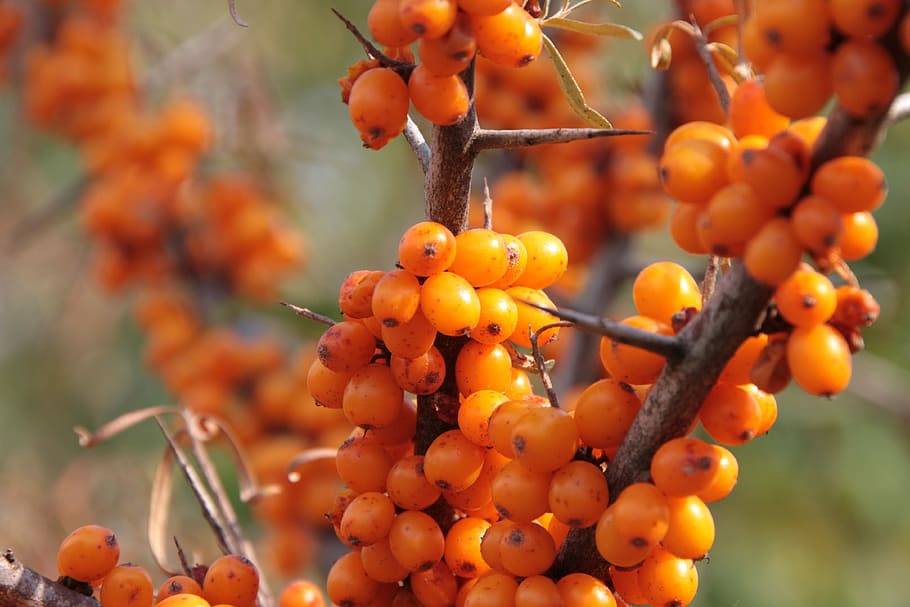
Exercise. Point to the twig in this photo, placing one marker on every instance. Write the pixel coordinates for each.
(371, 50)
(22, 587)
(418, 144)
(232, 8)
(701, 46)
(493, 139)
(710, 280)
(899, 110)
(487, 206)
(307, 313)
(668, 346)
(542, 364)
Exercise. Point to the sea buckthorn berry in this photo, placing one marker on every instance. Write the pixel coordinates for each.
(348, 584)
(739, 368)
(183, 600)
(630, 364)
(864, 77)
(604, 413)
(667, 580)
(367, 519)
(450, 303)
(408, 486)
(768, 405)
(474, 415)
(856, 307)
(702, 130)
(442, 100)
(735, 171)
(416, 540)
(88, 553)
(545, 439)
(774, 253)
(614, 546)
(547, 259)
(583, 590)
(426, 248)
(798, 26)
(451, 53)
(483, 7)
(538, 591)
(482, 367)
(385, 25)
(493, 589)
(750, 113)
(691, 531)
(817, 224)
(730, 415)
(480, 257)
(503, 420)
(664, 288)
(683, 221)
(428, 18)
(520, 494)
(819, 359)
(625, 586)
(356, 293)
(421, 375)
(346, 346)
(578, 494)
(231, 579)
(491, 543)
(326, 386)
(452, 462)
(410, 339)
(363, 464)
(511, 37)
(725, 479)
(861, 18)
(684, 466)
(693, 170)
(378, 106)
(435, 587)
(640, 515)
(527, 549)
(774, 176)
(498, 316)
(731, 218)
(798, 85)
(127, 585)
(860, 235)
(301, 593)
(396, 298)
(462, 547)
(851, 184)
(380, 564)
(517, 256)
(178, 584)
(372, 398)
(806, 298)
(531, 319)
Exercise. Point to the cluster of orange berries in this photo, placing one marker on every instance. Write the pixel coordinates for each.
(448, 33)
(89, 559)
(811, 49)
(748, 191)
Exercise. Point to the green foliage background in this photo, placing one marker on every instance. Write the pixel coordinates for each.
(819, 516)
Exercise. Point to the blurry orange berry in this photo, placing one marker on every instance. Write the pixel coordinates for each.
(819, 359)
(127, 585)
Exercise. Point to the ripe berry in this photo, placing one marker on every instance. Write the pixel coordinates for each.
(378, 106)
(443, 100)
(511, 37)
(231, 579)
(88, 553)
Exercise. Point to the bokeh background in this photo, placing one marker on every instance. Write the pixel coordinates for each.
(819, 516)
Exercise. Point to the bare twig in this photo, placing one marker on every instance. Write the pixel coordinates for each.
(307, 313)
(418, 144)
(701, 46)
(232, 8)
(22, 587)
(371, 49)
(492, 139)
(668, 346)
(542, 364)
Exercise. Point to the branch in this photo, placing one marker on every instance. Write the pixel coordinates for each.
(418, 144)
(309, 314)
(701, 46)
(668, 346)
(494, 139)
(22, 587)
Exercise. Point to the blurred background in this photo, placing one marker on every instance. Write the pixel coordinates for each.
(820, 512)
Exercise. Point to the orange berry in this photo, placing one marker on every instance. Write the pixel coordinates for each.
(127, 585)
(450, 303)
(380, 564)
(347, 583)
(232, 579)
(483, 7)
(750, 113)
(301, 593)
(178, 584)
(798, 85)
(732, 217)
(411, 339)
(683, 221)
(492, 589)
(385, 25)
(545, 439)
(856, 307)
(482, 367)
(538, 591)
(452, 462)
(860, 235)
(474, 415)
(428, 18)
(451, 53)
(774, 253)
(426, 248)
(774, 175)
(684, 466)
(481, 256)
(416, 540)
(435, 587)
(421, 375)
(511, 37)
(730, 415)
(356, 293)
(326, 386)
(531, 319)
(519, 493)
(798, 26)
(462, 547)
(517, 256)
(378, 106)
(367, 519)
(503, 420)
(819, 359)
(725, 479)
(817, 224)
(806, 298)
(667, 580)
(442, 100)
(861, 18)
(578, 494)
(604, 412)
(408, 486)
(547, 259)
(630, 527)
(583, 590)
(183, 600)
(396, 298)
(631, 364)
(363, 464)
(851, 184)
(345, 347)
(372, 398)
(664, 288)
(527, 549)
(739, 368)
(702, 130)
(864, 77)
(498, 316)
(693, 170)
(88, 553)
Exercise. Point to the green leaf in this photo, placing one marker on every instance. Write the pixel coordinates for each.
(597, 29)
(571, 89)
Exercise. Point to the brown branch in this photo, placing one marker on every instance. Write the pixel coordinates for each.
(418, 144)
(309, 314)
(701, 46)
(494, 139)
(23, 587)
(668, 346)
(541, 364)
(370, 49)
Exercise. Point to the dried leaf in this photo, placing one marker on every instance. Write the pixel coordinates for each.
(119, 424)
(232, 8)
(614, 30)
(572, 91)
(159, 511)
(727, 58)
(306, 457)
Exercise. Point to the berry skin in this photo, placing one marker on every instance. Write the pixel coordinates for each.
(730, 415)
(416, 540)
(806, 298)
(578, 494)
(774, 253)
(178, 584)
(819, 359)
(684, 466)
(426, 248)
(850, 183)
(860, 235)
(480, 257)
(451, 53)
(183, 600)
(693, 170)
(861, 18)
(864, 77)
(345, 347)
(452, 462)
(727, 473)
(462, 547)
(443, 100)
(750, 113)
(428, 18)
(498, 316)
(817, 224)
(583, 590)
(367, 519)
(531, 319)
(667, 580)
(408, 486)
(545, 439)
(547, 259)
(527, 549)
(386, 27)
(363, 464)
(630, 364)
(378, 106)
(372, 398)
(798, 85)
(421, 375)
(396, 298)
(483, 7)
(691, 531)
(127, 586)
(450, 303)
(88, 553)
(664, 288)
(482, 367)
(511, 37)
(348, 584)
(231, 579)
(520, 494)
(604, 412)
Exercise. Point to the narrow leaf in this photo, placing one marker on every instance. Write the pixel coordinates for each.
(305, 457)
(572, 91)
(728, 59)
(159, 511)
(119, 424)
(614, 30)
